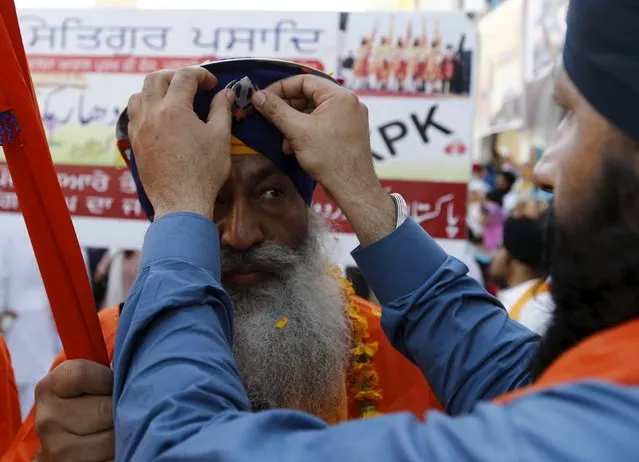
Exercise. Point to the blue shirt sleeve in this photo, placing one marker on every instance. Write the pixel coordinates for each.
(173, 365)
(444, 321)
(178, 396)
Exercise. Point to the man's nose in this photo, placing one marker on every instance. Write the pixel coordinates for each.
(240, 228)
(544, 173)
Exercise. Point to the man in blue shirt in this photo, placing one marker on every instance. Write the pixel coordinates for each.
(177, 392)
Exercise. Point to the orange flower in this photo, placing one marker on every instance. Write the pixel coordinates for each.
(368, 395)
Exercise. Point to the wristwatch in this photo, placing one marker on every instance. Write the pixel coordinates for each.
(402, 209)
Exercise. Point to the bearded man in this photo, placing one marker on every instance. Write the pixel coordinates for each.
(303, 340)
(584, 401)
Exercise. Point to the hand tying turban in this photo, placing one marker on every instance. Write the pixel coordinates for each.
(252, 133)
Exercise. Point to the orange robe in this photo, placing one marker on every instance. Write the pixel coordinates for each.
(402, 384)
(610, 355)
(9, 403)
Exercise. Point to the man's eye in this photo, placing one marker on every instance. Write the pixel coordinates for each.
(272, 193)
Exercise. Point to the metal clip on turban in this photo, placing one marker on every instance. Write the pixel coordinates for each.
(252, 133)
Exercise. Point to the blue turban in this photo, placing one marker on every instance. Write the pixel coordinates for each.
(244, 75)
(601, 56)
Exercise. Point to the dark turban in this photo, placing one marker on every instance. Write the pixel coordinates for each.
(524, 240)
(251, 131)
(601, 56)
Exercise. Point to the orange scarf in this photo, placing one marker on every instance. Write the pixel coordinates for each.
(41, 200)
(533, 291)
(610, 355)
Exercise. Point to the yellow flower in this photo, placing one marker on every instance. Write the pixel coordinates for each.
(368, 395)
(362, 378)
(370, 414)
(282, 323)
(365, 349)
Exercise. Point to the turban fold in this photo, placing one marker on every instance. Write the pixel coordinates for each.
(252, 133)
(601, 56)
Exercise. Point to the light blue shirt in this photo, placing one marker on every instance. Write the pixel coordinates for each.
(178, 395)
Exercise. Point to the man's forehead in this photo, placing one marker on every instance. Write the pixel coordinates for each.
(253, 168)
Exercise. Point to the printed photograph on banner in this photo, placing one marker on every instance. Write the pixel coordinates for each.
(546, 29)
(87, 63)
(413, 54)
(501, 102)
(425, 140)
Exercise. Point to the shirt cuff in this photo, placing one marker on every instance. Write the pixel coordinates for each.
(399, 263)
(183, 236)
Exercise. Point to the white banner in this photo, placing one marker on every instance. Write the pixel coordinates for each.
(86, 64)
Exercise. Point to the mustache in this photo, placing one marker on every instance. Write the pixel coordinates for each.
(269, 257)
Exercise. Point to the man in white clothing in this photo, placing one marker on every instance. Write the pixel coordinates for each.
(29, 329)
(516, 267)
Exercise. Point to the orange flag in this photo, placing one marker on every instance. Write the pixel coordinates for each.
(49, 224)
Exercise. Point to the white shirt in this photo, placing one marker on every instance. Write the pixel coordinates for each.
(32, 338)
(536, 312)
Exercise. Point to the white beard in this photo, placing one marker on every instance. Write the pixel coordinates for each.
(302, 365)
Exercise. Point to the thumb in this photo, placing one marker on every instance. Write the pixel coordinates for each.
(288, 120)
(220, 111)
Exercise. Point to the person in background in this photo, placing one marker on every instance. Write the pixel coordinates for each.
(517, 268)
(360, 286)
(119, 268)
(10, 417)
(98, 285)
(504, 182)
(477, 190)
(32, 336)
(484, 173)
(493, 222)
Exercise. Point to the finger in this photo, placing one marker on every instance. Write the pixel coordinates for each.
(186, 82)
(83, 415)
(156, 84)
(91, 448)
(220, 111)
(287, 147)
(78, 377)
(133, 107)
(301, 104)
(288, 120)
(313, 88)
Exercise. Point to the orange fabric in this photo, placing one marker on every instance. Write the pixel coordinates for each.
(9, 403)
(610, 355)
(403, 386)
(25, 445)
(238, 148)
(41, 200)
(515, 312)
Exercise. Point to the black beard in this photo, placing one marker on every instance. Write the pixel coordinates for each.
(594, 262)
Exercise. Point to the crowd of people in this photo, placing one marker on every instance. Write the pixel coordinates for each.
(240, 341)
(507, 220)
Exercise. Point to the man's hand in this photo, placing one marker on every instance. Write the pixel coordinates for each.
(183, 162)
(73, 416)
(326, 126)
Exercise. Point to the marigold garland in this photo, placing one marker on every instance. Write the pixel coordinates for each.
(363, 379)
